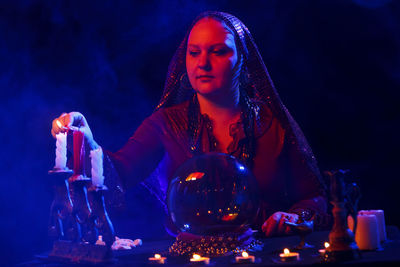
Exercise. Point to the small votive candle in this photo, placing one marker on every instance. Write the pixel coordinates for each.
(157, 259)
(245, 258)
(289, 256)
(200, 260)
(322, 251)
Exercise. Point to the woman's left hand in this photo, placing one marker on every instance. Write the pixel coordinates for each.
(275, 225)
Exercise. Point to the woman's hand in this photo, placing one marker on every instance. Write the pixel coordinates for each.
(275, 225)
(74, 121)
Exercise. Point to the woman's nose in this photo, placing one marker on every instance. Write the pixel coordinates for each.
(204, 62)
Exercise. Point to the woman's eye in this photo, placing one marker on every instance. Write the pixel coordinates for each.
(220, 52)
(194, 53)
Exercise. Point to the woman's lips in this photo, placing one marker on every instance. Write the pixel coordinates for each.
(204, 77)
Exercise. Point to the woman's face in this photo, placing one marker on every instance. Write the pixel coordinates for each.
(212, 58)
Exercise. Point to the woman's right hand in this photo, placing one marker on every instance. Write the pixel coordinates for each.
(74, 121)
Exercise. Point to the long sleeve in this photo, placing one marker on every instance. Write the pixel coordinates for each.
(136, 160)
(305, 188)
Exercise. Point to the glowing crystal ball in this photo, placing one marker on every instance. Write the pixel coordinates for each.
(212, 193)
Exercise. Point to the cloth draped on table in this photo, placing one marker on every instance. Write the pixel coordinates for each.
(267, 139)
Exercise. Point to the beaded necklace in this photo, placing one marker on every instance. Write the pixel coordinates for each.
(249, 111)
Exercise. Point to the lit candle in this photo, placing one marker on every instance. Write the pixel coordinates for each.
(157, 259)
(61, 151)
(289, 256)
(96, 160)
(322, 251)
(245, 258)
(198, 259)
(100, 241)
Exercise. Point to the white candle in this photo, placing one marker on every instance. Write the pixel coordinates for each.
(289, 256)
(245, 258)
(367, 233)
(157, 259)
(96, 159)
(198, 259)
(100, 241)
(380, 217)
(61, 151)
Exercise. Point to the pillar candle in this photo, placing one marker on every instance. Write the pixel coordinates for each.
(79, 153)
(96, 159)
(380, 217)
(61, 151)
(367, 233)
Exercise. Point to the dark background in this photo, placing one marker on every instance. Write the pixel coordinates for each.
(336, 65)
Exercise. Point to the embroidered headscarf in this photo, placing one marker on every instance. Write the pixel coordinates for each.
(255, 82)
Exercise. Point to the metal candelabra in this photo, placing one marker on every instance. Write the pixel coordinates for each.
(78, 215)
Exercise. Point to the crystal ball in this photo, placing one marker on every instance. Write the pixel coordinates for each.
(212, 193)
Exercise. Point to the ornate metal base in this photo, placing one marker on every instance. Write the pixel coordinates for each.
(339, 256)
(58, 170)
(78, 177)
(71, 252)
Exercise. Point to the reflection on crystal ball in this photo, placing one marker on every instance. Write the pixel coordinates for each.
(212, 193)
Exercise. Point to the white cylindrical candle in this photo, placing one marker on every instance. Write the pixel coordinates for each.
(367, 234)
(380, 217)
(61, 151)
(96, 159)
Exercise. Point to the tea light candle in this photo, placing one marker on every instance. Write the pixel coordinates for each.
(322, 251)
(289, 256)
(198, 259)
(157, 259)
(245, 258)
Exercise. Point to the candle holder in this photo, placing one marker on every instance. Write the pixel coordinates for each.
(62, 223)
(71, 204)
(99, 216)
(78, 189)
(302, 228)
(342, 244)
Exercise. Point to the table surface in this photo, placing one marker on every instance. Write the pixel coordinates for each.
(388, 256)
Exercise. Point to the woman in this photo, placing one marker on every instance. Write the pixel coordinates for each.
(218, 96)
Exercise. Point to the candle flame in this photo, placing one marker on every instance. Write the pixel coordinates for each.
(196, 256)
(157, 256)
(326, 244)
(245, 254)
(59, 123)
(286, 251)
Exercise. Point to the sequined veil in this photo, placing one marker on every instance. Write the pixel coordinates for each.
(256, 84)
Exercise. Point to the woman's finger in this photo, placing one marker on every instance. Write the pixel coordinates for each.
(77, 119)
(293, 219)
(272, 224)
(281, 225)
